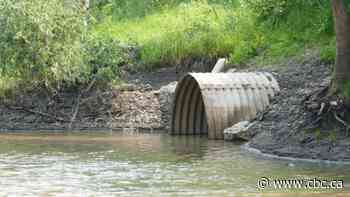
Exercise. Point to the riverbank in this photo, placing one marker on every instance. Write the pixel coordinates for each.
(142, 102)
(292, 125)
(127, 107)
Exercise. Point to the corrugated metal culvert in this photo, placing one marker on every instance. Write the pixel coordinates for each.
(207, 103)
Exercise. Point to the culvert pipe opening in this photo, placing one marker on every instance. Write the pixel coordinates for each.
(207, 103)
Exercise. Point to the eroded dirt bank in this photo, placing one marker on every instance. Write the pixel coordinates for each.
(127, 106)
(143, 102)
(292, 127)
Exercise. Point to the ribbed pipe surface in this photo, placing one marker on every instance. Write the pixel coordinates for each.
(207, 103)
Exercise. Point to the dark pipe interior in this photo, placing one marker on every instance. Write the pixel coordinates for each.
(189, 116)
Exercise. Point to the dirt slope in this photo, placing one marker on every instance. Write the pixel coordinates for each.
(289, 128)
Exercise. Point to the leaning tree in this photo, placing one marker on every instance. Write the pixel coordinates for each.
(342, 29)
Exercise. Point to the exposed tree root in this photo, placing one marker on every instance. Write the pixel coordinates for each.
(328, 107)
(347, 126)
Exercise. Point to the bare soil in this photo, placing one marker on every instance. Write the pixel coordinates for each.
(121, 107)
(300, 122)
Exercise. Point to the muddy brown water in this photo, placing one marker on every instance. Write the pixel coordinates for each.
(116, 164)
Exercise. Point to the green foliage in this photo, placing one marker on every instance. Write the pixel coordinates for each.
(332, 136)
(239, 30)
(328, 52)
(346, 89)
(106, 55)
(269, 9)
(7, 85)
(47, 42)
(42, 41)
(300, 11)
(196, 29)
(246, 38)
(297, 25)
(133, 9)
(318, 135)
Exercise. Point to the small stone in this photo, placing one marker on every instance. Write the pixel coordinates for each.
(238, 132)
(313, 106)
(147, 87)
(157, 92)
(333, 103)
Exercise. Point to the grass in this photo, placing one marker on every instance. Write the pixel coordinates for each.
(198, 29)
(171, 32)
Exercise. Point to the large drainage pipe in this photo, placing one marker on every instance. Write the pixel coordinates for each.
(207, 103)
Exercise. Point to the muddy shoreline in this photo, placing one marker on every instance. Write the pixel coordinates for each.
(143, 102)
(286, 129)
(291, 126)
(122, 107)
(258, 152)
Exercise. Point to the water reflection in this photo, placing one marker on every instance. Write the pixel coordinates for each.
(139, 165)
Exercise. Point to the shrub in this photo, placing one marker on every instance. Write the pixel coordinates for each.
(41, 41)
(105, 58)
(289, 27)
(269, 9)
(298, 11)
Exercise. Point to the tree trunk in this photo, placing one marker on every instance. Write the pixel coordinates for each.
(342, 29)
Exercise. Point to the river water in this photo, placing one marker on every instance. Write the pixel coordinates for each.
(115, 164)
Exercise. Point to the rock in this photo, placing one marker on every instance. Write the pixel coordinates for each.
(292, 165)
(238, 132)
(232, 70)
(313, 106)
(170, 88)
(136, 109)
(147, 87)
(166, 97)
(333, 103)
